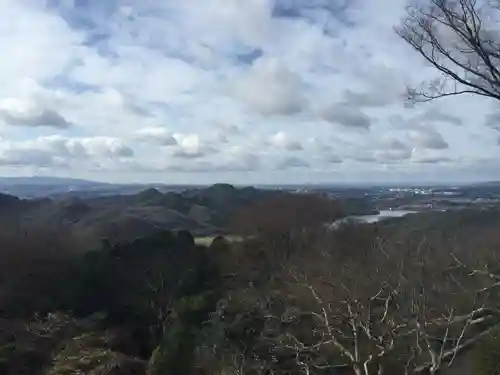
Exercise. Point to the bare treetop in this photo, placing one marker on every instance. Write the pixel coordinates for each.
(460, 38)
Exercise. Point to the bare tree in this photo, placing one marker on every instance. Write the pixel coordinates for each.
(383, 310)
(355, 302)
(461, 39)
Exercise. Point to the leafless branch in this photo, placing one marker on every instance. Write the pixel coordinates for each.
(453, 37)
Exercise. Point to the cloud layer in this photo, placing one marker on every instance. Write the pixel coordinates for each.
(247, 91)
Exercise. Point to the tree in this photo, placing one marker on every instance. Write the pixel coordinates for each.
(388, 308)
(286, 213)
(33, 266)
(461, 39)
(356, 303)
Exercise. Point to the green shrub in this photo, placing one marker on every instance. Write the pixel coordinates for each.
(177, 352)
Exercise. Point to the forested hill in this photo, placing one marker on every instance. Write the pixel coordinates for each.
(203, 211)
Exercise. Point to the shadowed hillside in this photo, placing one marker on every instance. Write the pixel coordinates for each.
(204, 212)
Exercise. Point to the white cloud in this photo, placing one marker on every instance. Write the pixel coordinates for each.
(30, 113)
(249, 22)
(427, 138)
(191, 146)
(291, 162)
(346, 115)
(38, 45)
(433, 160)
(392, 155)
(156, 135)
(364, 158)
(391, 143)
(434, 114)
(323, 152)
(31, 158)
(223, 133)
(493, 120)
(245, 162)
(366, 99)
(283, 141)
(58, 151)
(389, 149)
(332, 159)
(45, 117)
(104, 146)
(270, 88)
(228, 128)
(241, 85)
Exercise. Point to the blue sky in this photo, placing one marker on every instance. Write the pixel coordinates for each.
(254, 91)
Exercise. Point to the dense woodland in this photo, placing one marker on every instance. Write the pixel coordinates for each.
(291, 296)
(120, 218)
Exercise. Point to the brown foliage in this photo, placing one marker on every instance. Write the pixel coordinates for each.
(59, 344)
(350, 299)
(286, 213)
(33, 264)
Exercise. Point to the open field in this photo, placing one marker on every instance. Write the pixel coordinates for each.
(207, 240)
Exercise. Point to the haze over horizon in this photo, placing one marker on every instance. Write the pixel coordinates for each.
(83, 183)
(247, 92)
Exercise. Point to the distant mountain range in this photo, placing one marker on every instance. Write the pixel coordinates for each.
(41, 186)
(37, 187)
(42, 180)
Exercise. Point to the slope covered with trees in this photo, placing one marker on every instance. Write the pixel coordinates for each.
(292, 297)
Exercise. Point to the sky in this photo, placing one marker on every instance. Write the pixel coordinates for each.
(253, 91)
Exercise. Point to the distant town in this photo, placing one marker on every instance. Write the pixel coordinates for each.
(437, 198)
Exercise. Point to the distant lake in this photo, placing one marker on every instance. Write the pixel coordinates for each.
(383, 214)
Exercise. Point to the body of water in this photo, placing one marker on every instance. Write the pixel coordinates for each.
(383, 214)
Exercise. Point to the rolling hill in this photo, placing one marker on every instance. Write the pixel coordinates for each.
(202, 211)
